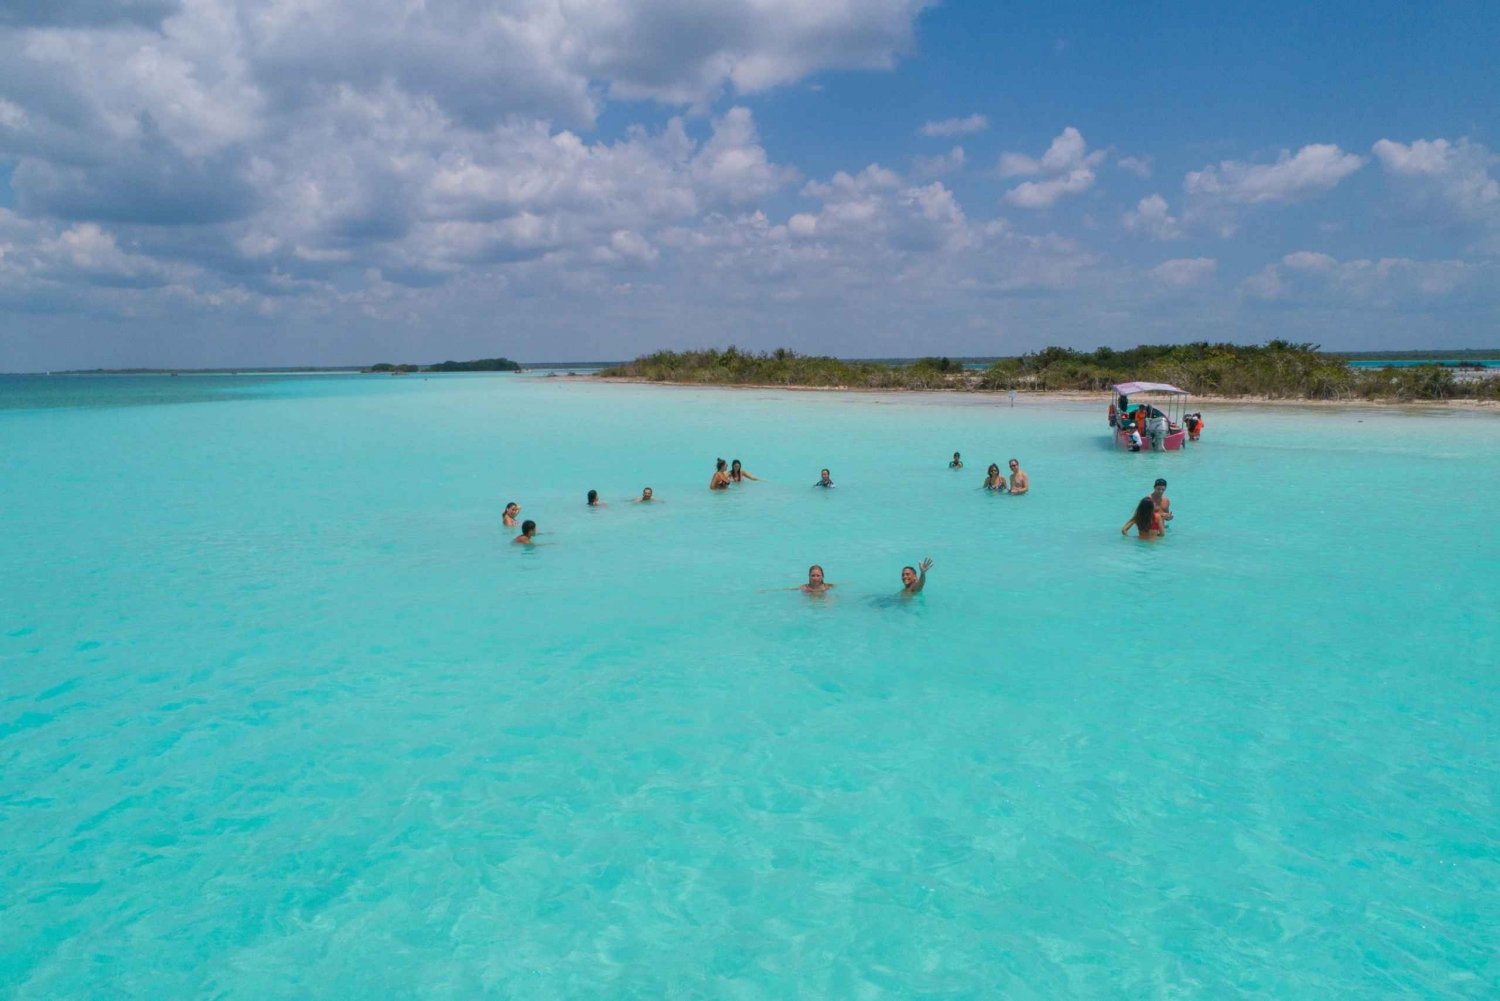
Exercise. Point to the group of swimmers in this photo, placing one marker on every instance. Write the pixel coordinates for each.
(995, 482)
(1149, 519)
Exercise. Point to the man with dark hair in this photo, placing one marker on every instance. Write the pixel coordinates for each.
(913, 579)
(1160, 502)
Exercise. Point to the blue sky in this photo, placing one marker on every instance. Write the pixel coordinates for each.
(211, 182)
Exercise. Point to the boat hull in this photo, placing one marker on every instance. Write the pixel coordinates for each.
(1175, 441)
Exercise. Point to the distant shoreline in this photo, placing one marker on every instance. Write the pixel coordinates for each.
(1053, 395)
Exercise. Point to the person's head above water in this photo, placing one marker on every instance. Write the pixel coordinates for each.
(814, 575)
(593, 497)
(1145, 512)
(908, 575)
(528, 528)
(512, 508)
(719, 464)
(1161, 484)
(1015, 464)
(955, 455)
(646, 494)
(735, 464)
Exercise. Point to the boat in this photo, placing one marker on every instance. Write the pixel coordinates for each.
(1129, 415)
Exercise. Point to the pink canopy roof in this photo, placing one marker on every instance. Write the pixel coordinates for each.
(1131, 388)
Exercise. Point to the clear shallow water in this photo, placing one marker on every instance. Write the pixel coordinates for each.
(283, 714)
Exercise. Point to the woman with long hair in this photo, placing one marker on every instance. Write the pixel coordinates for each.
(993, 481)
(1147, 520)
(720, 479)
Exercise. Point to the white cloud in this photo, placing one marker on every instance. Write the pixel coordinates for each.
(1140, 166)
(1386, 282)
(956, 126)
(1067, 168)
(937, 166)
(1455, 173)
(1185, 271)
(1151, 217)
(1312, 170)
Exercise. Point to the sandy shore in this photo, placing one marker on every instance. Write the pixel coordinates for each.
(1070, 396)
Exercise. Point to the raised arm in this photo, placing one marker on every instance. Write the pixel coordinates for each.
(922, 569)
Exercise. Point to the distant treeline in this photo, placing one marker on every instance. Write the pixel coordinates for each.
(1278, 370)
(1454, 354)
(478, 365)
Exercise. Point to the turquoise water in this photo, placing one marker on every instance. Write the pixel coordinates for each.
(1411, 363)
(284, 715)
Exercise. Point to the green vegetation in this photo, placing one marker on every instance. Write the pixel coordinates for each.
(478, 365)
(1277, 370)
(733, 367)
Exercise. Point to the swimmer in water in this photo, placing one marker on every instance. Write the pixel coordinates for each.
(737, 473)
(594, 500)
(1147, 521)
(720, 479)
(528, 529)
(993, 481)
(1019, 481)
(815, 582)
(646, 497)
(913, 579)
(1163, 506)
(957, 462)
(824, 480)
(508, 518)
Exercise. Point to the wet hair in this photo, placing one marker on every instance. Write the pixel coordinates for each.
(1015, 461)
(1160, 483)
(720, 463)
(511, 504)
(994, 468)
(528, 527)
(593, 496)
(912, 569)
(955, 455)
(735, 463)
(645, 491)
(1145, 511)
(816, 566)
(824, 472)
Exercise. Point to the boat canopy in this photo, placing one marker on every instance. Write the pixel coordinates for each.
(1131, 388)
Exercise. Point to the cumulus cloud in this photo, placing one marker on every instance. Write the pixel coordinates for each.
(936, 166)
(1361, 282)
(1067, 168)
(1312, 170)
(1140, 166)
(1453, 175)
(1185, 271)
(956, 126)
(1150, 216)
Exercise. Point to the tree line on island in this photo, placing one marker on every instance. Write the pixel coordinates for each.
(1276, 370)
(477, 365)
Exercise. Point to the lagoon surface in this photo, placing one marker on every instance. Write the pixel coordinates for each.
(283, 714)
